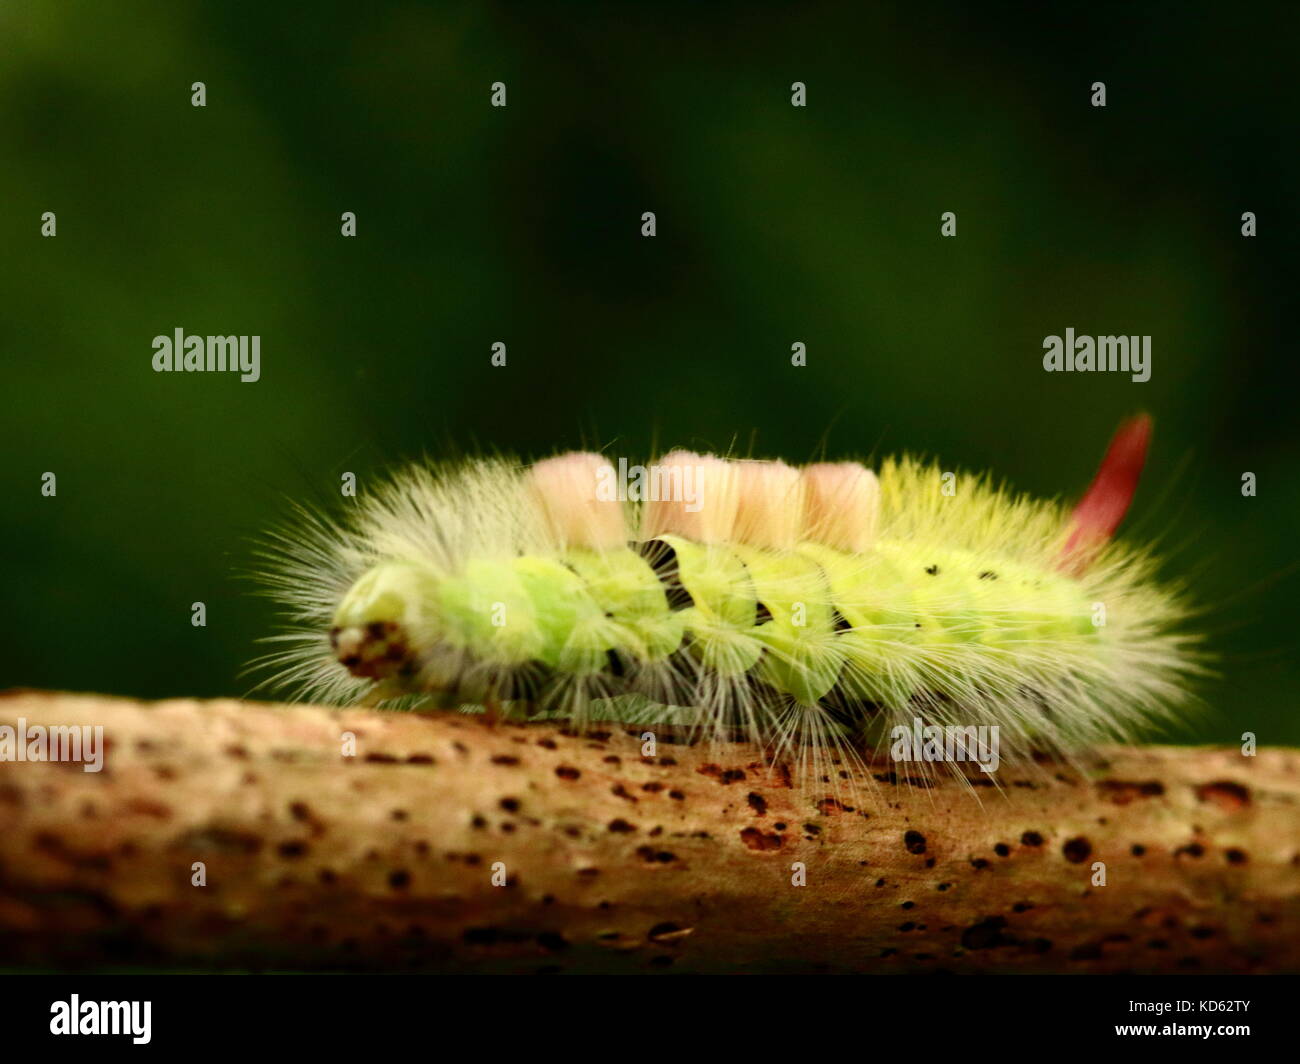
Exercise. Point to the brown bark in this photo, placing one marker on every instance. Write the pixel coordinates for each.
(615, 862)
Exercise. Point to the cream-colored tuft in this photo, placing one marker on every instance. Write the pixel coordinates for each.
(841, 505)
(577, 494)
(770, 514)
(690, 495)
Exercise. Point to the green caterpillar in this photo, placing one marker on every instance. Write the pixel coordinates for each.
(748, 597)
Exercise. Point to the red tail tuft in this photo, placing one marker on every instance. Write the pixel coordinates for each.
(1107, 499)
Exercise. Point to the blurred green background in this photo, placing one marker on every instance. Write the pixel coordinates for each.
(775, 225)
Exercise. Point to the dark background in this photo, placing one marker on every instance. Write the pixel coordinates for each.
(775, 224)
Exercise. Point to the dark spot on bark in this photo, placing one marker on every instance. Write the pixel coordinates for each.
(1235, 856)
(979, 862)
(510, 805)
(758, 803)
(758, 840)
(143, 806)
(1031, 838)
(1077, 850)
(914, 841)
(1224, 793)
(667, 932)
(1192, 849)
(1002, 849)
(1138, 849)
(676, 796)
(567, 772)
(987, 934)
(399, 879)
(504, 759)
(620, 826)
(908, 905)
(1122, 792)
(292, 849)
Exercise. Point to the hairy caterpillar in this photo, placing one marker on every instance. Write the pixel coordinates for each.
(798, 608)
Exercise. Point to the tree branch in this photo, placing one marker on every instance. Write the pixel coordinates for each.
(615, 862)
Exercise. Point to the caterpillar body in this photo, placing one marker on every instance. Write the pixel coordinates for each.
(801, 609)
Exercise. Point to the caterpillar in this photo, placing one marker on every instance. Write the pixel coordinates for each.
(804, 609)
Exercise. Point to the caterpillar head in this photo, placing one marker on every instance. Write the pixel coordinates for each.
(381, 619)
